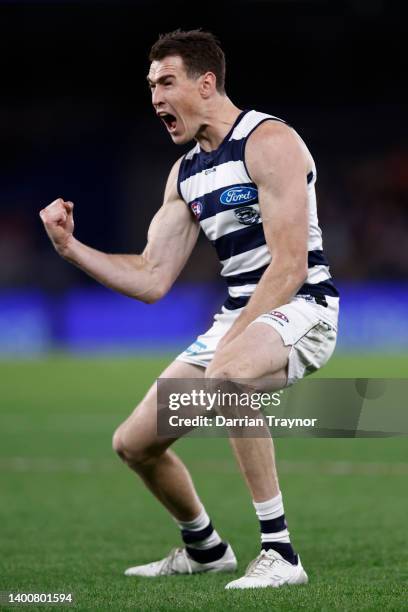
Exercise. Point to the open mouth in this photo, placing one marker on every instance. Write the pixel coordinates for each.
(170, 121)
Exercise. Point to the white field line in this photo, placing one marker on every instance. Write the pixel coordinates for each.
(88, 466)
(48, 464)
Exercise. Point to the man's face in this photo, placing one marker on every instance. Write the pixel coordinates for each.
(176, 98)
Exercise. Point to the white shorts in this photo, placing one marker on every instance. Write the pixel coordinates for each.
(309, 328)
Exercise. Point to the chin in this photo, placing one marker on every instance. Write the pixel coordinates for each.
(180, 139)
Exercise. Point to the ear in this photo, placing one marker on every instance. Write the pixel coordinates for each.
(208, 84)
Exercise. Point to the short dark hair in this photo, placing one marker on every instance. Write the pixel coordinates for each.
(200, 52)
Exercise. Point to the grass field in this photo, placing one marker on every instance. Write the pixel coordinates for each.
(73, 517)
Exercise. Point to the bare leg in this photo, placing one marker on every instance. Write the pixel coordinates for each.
(169, 480)
(260, 355)
(256, 460)
(137, 443)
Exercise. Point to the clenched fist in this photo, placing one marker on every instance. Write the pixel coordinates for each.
(58, 221)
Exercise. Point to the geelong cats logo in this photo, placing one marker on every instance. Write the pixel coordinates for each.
(247, 215)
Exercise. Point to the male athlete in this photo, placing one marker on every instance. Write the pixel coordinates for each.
(249, 183)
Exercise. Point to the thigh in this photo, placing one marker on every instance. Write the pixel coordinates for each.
(139, 430)
(280, 346)
(258, 354)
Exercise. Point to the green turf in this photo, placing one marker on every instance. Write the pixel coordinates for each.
(73, 517)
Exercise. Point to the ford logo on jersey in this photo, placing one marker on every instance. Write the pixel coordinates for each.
(238, 195)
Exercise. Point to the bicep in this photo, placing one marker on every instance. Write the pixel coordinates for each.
(278, 165)
(172, 234)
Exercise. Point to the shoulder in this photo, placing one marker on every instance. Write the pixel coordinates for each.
(273, 137)
(175, 169)
(275, 145)
(171, 191)
(270, 129)
(183, 166)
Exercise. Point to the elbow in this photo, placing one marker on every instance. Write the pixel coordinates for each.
(299, 276)
(291, 265)
(153, 294)
(296, 272)
(298, 267)
(302, 273)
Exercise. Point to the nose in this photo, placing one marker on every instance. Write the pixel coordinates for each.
(157, 97)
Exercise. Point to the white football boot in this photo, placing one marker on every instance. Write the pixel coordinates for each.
(178, 561)
(270, 569)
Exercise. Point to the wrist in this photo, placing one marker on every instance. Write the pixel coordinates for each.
(66, 250)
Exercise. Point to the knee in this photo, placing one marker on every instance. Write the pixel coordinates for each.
(117, 442)
(130, 449)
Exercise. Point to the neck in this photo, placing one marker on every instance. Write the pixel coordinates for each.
(217, 122)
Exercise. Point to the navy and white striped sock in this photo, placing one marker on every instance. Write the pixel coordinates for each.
(274, 531)
(203, 543)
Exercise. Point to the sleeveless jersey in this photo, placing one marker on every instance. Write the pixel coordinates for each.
(217, 188)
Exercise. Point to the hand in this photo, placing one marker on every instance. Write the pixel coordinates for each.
(58, 221)
(239, 326)
(225, 340)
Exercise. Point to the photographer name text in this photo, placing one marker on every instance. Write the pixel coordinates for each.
(222, 421)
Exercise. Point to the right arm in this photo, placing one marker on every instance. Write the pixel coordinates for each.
(147, 277)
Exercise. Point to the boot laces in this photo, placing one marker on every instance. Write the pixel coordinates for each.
(260, 565)
(169, 564)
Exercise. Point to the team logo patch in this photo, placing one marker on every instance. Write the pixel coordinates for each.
(279, 315)
(247, 215)
(238, 195)
(197, 209)
(195, 348)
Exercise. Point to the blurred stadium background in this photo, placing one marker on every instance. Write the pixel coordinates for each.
(75, 358)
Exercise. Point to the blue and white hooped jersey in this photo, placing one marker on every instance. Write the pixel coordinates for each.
(218, 190)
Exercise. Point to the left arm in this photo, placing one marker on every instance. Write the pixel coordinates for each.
(278, 163)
